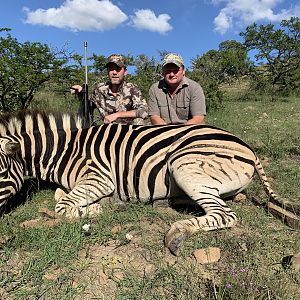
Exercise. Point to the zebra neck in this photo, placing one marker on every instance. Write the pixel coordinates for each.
(41, 151)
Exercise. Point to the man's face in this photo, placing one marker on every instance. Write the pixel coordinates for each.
(173, 74)
(116, 74)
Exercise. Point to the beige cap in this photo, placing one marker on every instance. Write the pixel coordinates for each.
(117, 59)
(173, 58)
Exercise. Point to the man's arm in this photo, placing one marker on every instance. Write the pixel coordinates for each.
(157, 120)
(77, 90)
(154, 112)
(197, 105)
(139, 103)
(195, 120)
(119, 115)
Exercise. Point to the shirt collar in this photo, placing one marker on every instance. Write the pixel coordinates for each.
(108, 84)
(184, 82)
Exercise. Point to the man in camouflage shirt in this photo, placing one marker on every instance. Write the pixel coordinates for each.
(117, 101)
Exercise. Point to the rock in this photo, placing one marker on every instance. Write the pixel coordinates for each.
(207, 255)
(295, 262)
(286, 216)
(116, 229)
(243, 247)
(239, 198)
(170, 259)
(30, 223)
(45, 212)
(149, 269)
(4, 239)
(35, 223)
(129, 236)
(291, 262)
(119, 275)
(83, 253)
(3, 294)
(52, 276)
(51, 223)
(86, 227)
(102, 277)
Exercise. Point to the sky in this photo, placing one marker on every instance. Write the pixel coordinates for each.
(187, 27)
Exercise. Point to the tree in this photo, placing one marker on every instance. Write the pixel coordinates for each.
(226, 64)
(278, 50)
(234, 62)
(24, 68)
(219, 66)
(206, 71)
(99, 64)
(146, 73)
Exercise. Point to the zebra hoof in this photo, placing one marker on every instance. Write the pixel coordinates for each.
(175, 239)
(59, 193)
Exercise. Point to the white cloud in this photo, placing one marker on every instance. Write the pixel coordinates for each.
(79, 15)
(222, 22)
(245, 12)
(145, 19)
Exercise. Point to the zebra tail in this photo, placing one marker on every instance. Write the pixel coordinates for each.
(273, 197)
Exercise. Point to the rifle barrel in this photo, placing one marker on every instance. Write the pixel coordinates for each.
(87, 110)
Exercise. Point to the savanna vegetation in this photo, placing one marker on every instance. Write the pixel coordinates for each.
(120, 254)
(28, 68)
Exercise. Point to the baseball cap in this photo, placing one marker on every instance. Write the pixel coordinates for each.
(116, 59)
(173, 58)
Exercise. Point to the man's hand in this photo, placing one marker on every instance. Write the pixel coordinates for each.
(111, 118)
(75, 89)
(157, 120)
(196, 120)
(119, 115)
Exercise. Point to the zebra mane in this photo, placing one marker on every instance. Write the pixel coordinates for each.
(32, 120)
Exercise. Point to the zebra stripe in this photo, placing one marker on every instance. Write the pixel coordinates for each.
(145, 163)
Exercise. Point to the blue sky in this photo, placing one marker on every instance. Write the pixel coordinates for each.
(188, 27)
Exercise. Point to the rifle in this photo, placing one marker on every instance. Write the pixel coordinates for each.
(87, 105)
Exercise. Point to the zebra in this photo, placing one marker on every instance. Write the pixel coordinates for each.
(204, 163)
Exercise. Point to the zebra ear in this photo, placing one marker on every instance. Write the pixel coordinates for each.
(12, 148)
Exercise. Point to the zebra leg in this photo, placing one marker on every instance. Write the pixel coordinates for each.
(204, 191)
(84, 198)
(59, 193)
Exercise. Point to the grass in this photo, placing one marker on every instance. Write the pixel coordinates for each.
(122, 256)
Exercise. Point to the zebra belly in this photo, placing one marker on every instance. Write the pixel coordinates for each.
(162, 186)
(228, 176)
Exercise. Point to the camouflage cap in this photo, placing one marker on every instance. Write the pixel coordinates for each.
(117, 59)
(173, 58)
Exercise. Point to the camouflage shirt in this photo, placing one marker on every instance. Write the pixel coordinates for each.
(129, 97)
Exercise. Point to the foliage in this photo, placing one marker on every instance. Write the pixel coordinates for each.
(218, 66)
(278, 50)
(146, 73)
(24, 68)
(224, 65)
(234, 62)
(99, 64)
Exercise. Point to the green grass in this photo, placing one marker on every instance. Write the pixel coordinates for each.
(63, 262)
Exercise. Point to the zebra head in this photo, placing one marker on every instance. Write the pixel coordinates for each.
(11, 169)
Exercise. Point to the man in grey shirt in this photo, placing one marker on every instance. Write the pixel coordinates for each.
(176, 99)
